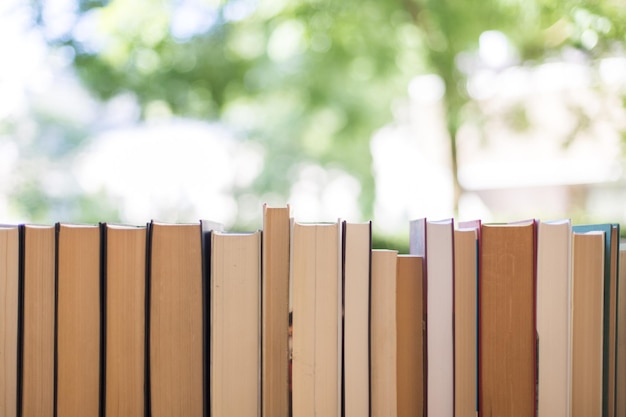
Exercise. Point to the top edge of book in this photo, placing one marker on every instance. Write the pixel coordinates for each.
(162, 223)
(369, 222)
(78, 225)
(520, 223)
(123, 226)
(268, 207)
(441, 221)
(589, 232)
(557, 221)
(309, 224)
(230, 233)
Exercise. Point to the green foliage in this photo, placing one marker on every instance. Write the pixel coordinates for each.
(308, 79)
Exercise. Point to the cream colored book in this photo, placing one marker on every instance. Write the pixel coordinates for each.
(9, 274)
(316, 277)
(235, 324)
(439, 318)
(554, 306)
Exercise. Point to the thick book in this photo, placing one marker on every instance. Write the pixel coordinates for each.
(507, 332)
(609, 326)
(588, 271)
(357, 244)
(383, 333)
(175, 338)
(275, 311)
(435, 241)
(410, 336)
(235, 324)
(78, 320)
(9, 279)
(37, 259)
(316, 358)
(125, 320)
(465, 321)
(554, 306)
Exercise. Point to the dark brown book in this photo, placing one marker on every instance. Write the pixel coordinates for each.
(38, 265)
(125, 347)
(78, 342)
(410, 337)
(275, 311)
(507, 336)
(176, 351)
(9, 278)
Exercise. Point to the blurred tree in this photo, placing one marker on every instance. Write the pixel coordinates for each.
(309, 79)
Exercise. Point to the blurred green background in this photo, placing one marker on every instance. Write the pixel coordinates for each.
(388, 110)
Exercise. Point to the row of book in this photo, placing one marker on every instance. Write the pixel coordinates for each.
(295, 319)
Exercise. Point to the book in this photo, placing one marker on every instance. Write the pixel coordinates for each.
(357, 244)
(383, 333)
(410, 336)
(125, 320)
(275, 311)
(435, 241)
(207, 227)
(609, 344)
(37, 259)
(620, 394)
(78, 320)
(235, 324)
(554, 307)
(316, 340)
(465, 321)
(175, 332)
(9, 287)
(507, 335)
(587, 323)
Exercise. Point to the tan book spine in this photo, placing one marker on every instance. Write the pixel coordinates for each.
(125, 283)
(38, 308)
(275, 311)
(587, 320)
(78, 321)
(383, 333)
(176, 303)
(9, 275)
(410, 337)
